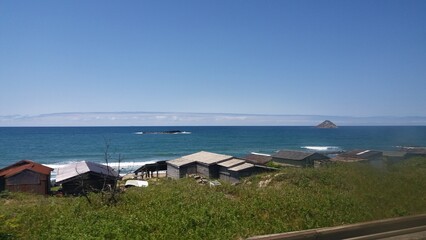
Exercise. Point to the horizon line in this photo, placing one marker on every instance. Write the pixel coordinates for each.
(92, 119)
(212, 113)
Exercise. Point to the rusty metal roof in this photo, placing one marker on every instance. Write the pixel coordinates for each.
(24, 165)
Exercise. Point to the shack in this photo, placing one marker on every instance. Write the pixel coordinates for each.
(82, 177)
(414, 151)
(203, 163)
(181, 167)
(233, 170)
(258, 158)
(148, 169)
(213, 166)
(394, 156)
(359, 156)
(26, 176)
(240, 171)
(207, 163)
(298, 158)
(224, 173)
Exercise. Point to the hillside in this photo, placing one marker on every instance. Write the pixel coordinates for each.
(288, 200)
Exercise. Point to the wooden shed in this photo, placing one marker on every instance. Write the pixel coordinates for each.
(234, 169)
(258, 158)
(394, 156)
(179, 168)
(148, 169)
(359, 156)
(82, 177)
(203, 163)
(414, 151)
(298, 158)
(224, 173)
(207, 163)
(212, 165)
(26, 176)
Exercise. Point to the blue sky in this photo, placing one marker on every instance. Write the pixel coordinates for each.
(338, 58)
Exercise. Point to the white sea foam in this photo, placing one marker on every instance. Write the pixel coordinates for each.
(322, 148)
(159, 133)
(261, 154)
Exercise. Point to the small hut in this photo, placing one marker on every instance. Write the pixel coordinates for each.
(25, 176)
(224, 173)
(203, 163)
(213, 166)
(258, 158)
(148, 169)
(82, 177)
(180, 167)
(298, 158)
(207, 163)
(414, 151)
(233, 170)
(394, 156)
(359, 156)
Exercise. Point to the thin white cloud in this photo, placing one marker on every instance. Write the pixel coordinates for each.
(195, 119)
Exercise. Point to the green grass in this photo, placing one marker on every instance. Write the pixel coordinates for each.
(293, 199)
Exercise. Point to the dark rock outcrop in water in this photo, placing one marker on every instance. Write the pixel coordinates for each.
(327, 124)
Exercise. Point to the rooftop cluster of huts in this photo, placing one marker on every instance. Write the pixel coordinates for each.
(213, 166)
(81, 177)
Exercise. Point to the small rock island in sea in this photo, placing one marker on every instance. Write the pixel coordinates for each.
(326, 124)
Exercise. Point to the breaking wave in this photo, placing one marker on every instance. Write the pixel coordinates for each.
(322, 148)
(164, 132)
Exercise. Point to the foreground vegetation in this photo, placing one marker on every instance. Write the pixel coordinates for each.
(288, 200)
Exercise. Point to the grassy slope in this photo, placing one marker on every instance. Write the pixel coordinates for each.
(294, 199)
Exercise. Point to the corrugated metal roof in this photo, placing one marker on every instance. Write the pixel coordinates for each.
(292, 155)
(24, 165)
(74, 169)
(180, 162)
(231, 163)
(241, 167)
(207, 157)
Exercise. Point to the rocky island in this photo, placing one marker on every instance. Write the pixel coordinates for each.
(326, 124)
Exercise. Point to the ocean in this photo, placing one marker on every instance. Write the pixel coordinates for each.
(57, 146)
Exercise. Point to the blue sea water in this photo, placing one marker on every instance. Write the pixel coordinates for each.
(56, 146)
